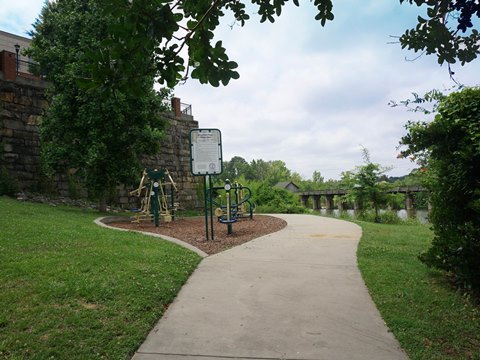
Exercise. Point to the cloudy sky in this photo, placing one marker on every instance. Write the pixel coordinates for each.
(309, 95)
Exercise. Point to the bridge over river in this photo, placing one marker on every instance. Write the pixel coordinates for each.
(330, 193)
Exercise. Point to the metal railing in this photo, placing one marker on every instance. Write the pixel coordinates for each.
(29, 69)
(186, 109)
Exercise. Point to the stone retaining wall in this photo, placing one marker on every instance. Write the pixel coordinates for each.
(22, 103)
(175, 157)
(20, 112)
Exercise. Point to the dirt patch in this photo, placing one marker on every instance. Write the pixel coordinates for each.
(192, 231)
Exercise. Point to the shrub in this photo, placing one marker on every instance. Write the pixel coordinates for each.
(383, 217)
(451, 144)
(275, 200)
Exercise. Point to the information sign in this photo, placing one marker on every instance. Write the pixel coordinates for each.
(206, 151)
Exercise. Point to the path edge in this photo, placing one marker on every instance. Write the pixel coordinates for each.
(105, 220)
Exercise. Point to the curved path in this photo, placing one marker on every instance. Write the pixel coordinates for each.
(294, 294)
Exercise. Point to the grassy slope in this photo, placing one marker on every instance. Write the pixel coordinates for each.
(430, 320)
(73, 290)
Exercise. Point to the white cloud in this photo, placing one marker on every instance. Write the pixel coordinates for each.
(310, 95)
(314, 108)
(18, 16)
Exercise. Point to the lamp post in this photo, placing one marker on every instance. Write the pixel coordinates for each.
(17, 50)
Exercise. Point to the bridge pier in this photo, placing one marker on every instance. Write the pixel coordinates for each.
(409, 201)
(330, 193)
(329, 202)
(304, 200)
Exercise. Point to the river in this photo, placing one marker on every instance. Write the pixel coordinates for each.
(420, 215)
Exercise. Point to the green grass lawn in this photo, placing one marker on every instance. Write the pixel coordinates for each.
(70, 289)
(428, 317)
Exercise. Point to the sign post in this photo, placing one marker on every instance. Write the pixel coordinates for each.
(206, 160)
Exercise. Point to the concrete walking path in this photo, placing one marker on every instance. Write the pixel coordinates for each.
(294, 294)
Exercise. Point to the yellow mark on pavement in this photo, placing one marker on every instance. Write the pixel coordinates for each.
(332, 236)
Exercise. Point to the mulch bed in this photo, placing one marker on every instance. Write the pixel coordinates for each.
(192, 231)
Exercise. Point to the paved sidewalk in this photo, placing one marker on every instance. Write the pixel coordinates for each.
(295, 294)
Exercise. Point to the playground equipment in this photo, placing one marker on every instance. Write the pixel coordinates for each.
(154, 191)
(237, 205)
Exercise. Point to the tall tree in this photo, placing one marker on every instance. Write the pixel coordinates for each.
(317, 177)
(367, 188)
(236, 167)
(161, 31)
(259, 170)
(98, 132)
(278, 171)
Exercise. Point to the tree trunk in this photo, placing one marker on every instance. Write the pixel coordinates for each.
(102, 204)
(377, 218)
